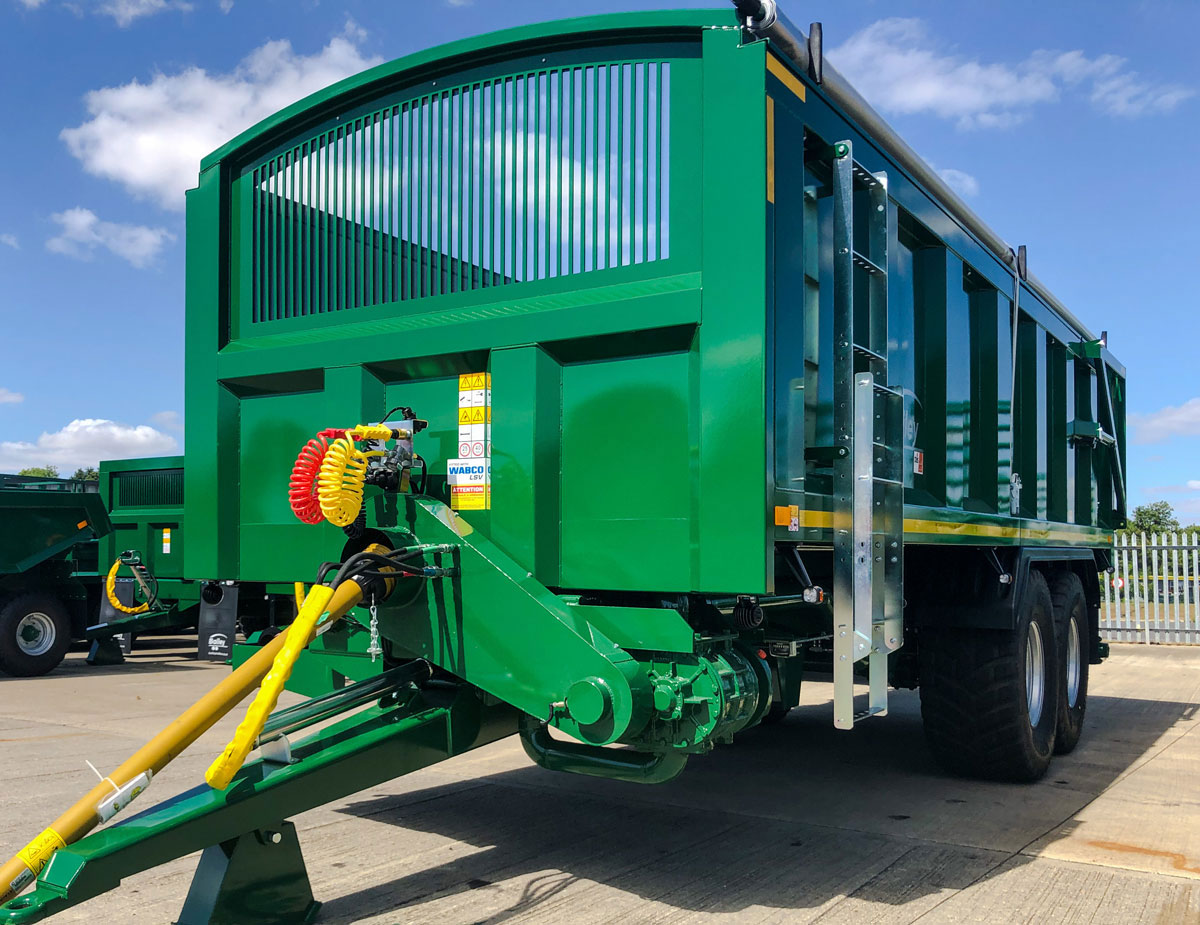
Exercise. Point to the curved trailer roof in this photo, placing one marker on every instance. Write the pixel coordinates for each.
(760, 17)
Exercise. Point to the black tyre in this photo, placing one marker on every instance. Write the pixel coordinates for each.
(989, 697)
(1071, 620)
(35, 632)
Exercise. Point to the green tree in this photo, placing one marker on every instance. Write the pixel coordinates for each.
(87, 474)
(1155, 517)
(45, 472)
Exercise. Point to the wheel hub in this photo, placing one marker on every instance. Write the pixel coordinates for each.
(35, 634)
(1073, 663)
(1035, 674)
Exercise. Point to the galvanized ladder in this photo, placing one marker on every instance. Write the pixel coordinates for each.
(868, 493)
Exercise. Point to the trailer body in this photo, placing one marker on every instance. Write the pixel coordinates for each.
(648, 262)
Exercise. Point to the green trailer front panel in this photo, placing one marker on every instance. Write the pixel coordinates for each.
(528, 205)
(146, 506)
(628, 222)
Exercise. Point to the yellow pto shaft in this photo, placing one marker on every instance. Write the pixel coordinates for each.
(115, 792)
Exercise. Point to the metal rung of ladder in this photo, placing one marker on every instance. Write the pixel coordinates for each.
(869, 353)
(868, 472)
(865, 263)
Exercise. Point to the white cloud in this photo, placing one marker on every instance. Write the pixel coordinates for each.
(32, 4)
(167, 420)
(84, 442)
(960, 181)
(126, 11)
(10, 240)
(897, 65)
(1186, 506)
(225, 5)
(150, 136)
(83, 232)
(9, 397)
(1171, 421)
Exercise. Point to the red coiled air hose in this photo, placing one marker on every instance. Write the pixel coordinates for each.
(302, 490)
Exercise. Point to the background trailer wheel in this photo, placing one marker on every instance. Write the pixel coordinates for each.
(989, 697)
(35, 631)
(1071, 622)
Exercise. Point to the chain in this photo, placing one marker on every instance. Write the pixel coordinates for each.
(374, 649)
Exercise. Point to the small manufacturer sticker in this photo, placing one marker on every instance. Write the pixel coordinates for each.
(468, 471)
(918, 462)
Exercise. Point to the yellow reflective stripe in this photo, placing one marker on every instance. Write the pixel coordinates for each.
(770, 149)
(951, 528)
(786, 77)
(823, 520)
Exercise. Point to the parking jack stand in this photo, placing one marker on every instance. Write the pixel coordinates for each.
(105, 651)
(258, 877)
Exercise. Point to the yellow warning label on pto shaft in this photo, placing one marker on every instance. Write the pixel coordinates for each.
(38, 852)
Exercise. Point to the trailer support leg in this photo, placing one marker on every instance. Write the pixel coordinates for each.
(106, 651)
(257, 877)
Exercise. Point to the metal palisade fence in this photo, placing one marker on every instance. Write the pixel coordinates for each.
(1153, 592)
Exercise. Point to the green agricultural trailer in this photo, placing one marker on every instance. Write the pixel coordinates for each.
(145, 588)
(151, 592)
(48, 581)
(635, 367)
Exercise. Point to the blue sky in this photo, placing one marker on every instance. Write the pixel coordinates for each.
(1070, 127)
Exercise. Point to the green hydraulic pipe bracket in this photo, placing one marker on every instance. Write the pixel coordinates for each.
(622, 764)
(361, 751)
(497, 627)
(310, 712)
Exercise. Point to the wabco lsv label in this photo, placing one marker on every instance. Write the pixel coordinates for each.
(469, 471)
(470, 475)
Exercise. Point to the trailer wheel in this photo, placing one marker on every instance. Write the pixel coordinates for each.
(1070, 614)
(35, 632)
(989, 697)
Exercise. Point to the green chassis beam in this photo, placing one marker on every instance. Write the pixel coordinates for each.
(362, 751)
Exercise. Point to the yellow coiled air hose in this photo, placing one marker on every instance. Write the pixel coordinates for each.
(343, 473)
(110, 588)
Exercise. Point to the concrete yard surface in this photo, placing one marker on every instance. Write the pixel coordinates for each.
(795, 823)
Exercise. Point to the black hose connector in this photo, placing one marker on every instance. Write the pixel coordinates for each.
(357, 527)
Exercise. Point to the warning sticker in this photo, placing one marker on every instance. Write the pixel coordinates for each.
(166, 539)
(470, 475)
(470, 497)
(37, 853)
(918, 462)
